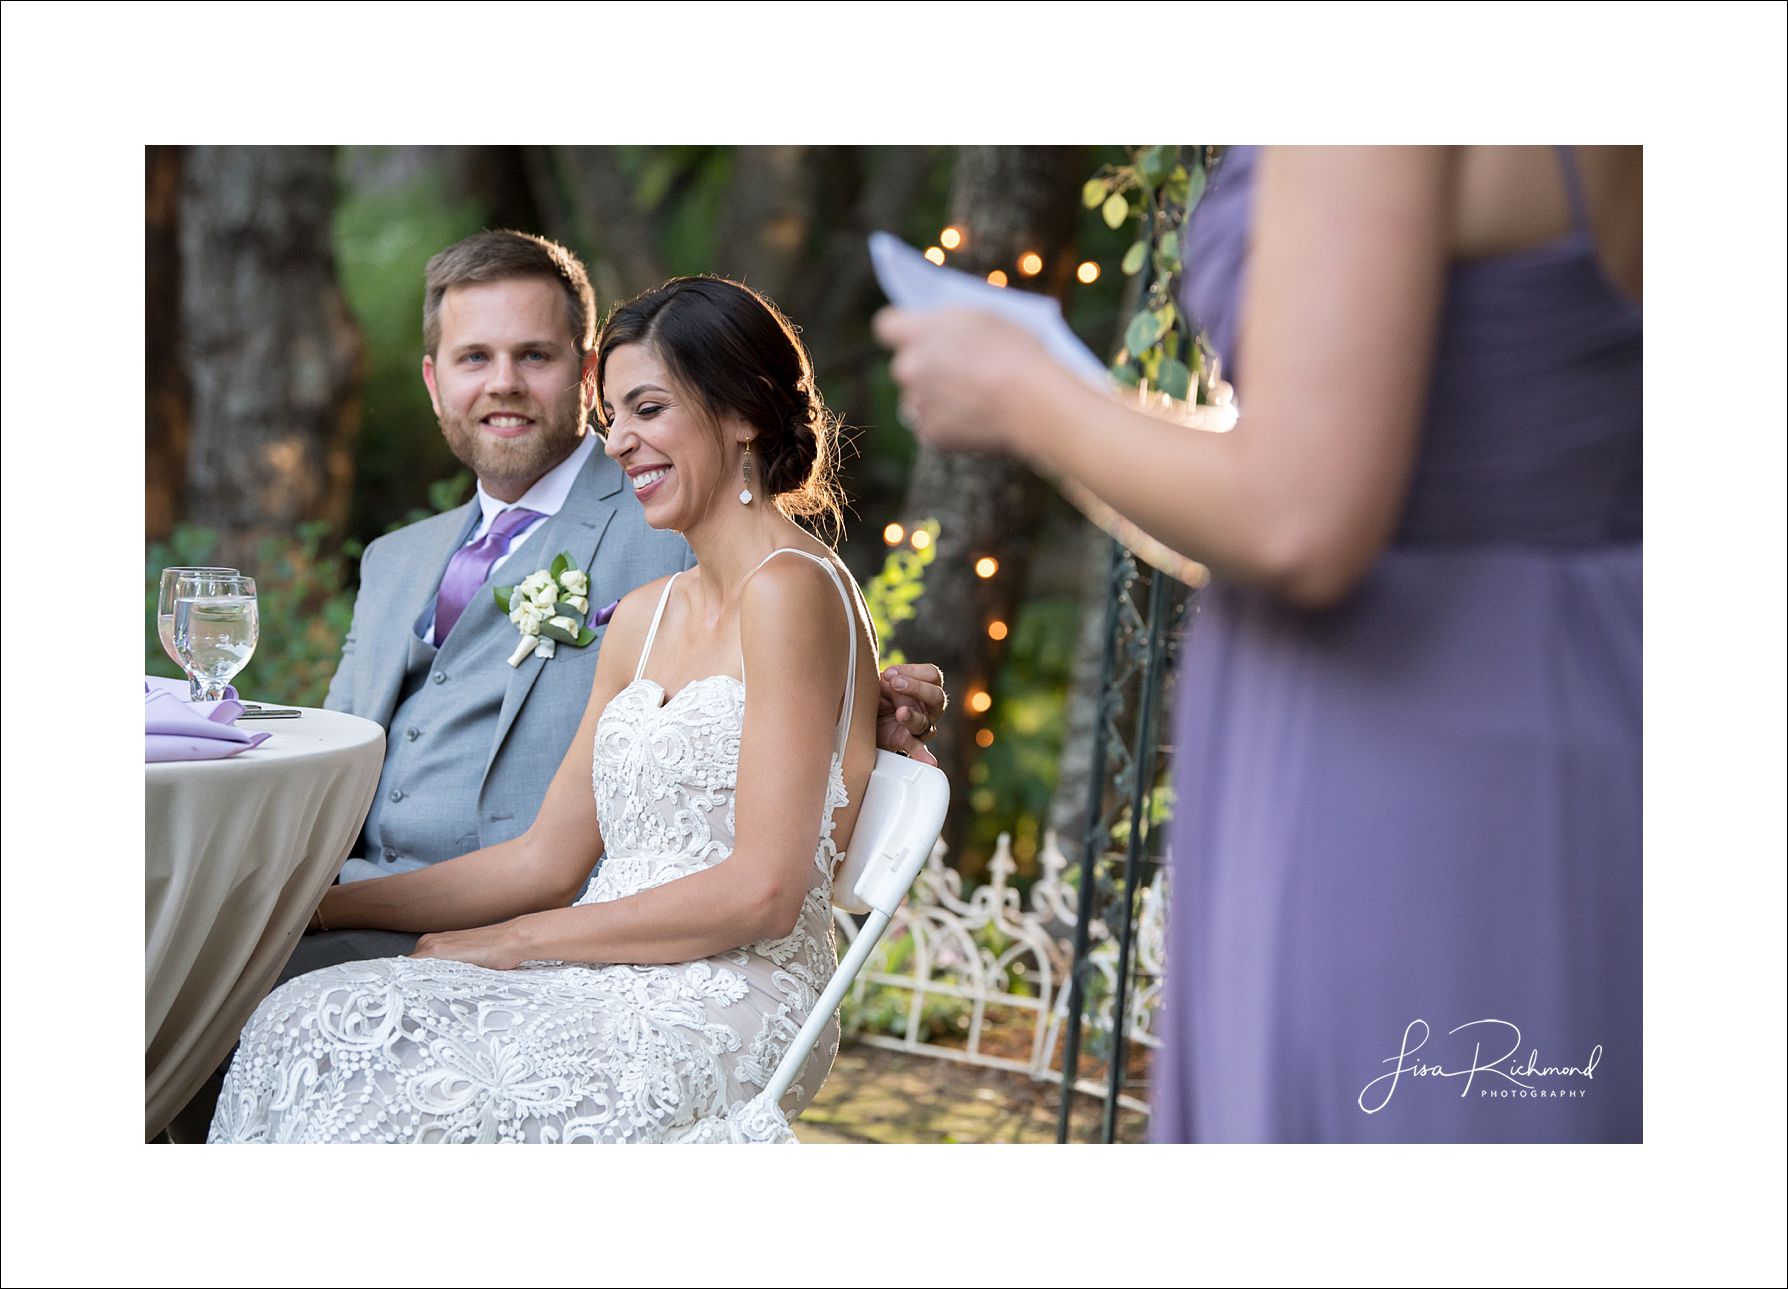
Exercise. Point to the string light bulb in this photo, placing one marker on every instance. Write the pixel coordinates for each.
(998, 277)
(1088, 272)
(986, 566)
(984, 738)
(951, 238)
(996, 630)
(979, 701)
(920, 539)
(893, 534)
(935, 254)
(1030, 264)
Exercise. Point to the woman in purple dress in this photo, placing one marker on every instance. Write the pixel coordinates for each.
(1406, 848)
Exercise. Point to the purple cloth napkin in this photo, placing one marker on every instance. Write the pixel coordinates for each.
(176, 730)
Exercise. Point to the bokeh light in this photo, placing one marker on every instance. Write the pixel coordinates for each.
(921, 539)
(986, 566)
(951, 238)
(984, 738)
(1030, 264)
(935, 254)
(893, 534)
(979, 701)
(998, 277)
(1088, 272)
(996, 630)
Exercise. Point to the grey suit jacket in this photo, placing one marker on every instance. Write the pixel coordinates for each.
(471, 749)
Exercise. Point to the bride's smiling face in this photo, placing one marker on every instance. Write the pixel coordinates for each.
(662, 437)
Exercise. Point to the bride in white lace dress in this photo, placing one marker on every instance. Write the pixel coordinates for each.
(656, 1007)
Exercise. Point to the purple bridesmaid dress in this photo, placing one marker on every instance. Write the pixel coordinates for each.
(1406, 844)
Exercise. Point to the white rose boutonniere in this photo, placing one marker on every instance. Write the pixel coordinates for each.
(548, 608)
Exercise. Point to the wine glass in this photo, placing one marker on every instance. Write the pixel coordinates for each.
(216, 625)
(164, 610)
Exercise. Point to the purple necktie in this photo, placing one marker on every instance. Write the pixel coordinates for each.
(471, 564)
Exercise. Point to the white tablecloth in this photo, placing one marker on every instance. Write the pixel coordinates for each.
(239, 852)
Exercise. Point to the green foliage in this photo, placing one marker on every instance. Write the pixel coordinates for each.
(893, 593)
(305, 608)
(443, 495)
(686, 188)
(883, 1009)
(1013, 782)
(1160, 190)
(382, 236)
(1158, 805)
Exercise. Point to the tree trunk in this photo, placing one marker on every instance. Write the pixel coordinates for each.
(623, 259)
(767, 219)
(165, 428)
(1006, 201)
(1080, 720)
(271, 351)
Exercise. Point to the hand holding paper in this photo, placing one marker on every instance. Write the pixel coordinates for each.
(981, 367)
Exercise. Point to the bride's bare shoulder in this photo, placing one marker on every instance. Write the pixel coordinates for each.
(788, 591)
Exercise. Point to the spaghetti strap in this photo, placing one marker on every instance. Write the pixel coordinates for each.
(663, 599)
(850, 614)
(1573, 185)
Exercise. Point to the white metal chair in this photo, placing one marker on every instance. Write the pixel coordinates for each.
(897, 827)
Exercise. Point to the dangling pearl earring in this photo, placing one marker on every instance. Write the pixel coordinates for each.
(745, 493)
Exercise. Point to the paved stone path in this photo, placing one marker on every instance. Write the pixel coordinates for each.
(876, 1095)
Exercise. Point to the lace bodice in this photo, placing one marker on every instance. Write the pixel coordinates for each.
(665, 773)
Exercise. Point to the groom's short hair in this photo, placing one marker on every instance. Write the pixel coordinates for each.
(501, 255)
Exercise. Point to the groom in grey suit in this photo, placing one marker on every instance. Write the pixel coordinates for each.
(509, 327)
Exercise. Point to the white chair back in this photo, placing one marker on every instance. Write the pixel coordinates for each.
(897, 826)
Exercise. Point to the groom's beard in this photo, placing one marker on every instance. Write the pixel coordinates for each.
(519, 460)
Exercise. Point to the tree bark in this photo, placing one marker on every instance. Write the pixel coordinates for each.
(767, 224)
(165, 428)
(1068, 809)
(624, 259)
(1006, 201)
(271, 351)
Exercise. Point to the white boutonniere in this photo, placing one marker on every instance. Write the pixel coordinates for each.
(549, 608)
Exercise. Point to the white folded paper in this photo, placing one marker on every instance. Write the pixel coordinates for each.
(911, 281)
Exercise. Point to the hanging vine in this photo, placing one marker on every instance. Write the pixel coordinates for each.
(1158, 190)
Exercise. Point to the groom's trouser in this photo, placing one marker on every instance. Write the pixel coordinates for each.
(327, 948)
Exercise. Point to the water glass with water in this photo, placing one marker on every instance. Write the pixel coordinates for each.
(216, 627)
(164, 610)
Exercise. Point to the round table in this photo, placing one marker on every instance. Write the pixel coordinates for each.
(239, 851)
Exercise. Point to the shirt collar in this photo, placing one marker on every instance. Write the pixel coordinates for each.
(549, 491)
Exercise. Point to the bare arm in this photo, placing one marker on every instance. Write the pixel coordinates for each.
(796, 674)
(1345, 286)
(540, 869)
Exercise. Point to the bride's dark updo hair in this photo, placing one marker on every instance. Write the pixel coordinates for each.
(732, 350)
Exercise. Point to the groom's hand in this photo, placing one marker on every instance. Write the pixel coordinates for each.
(912, 699)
